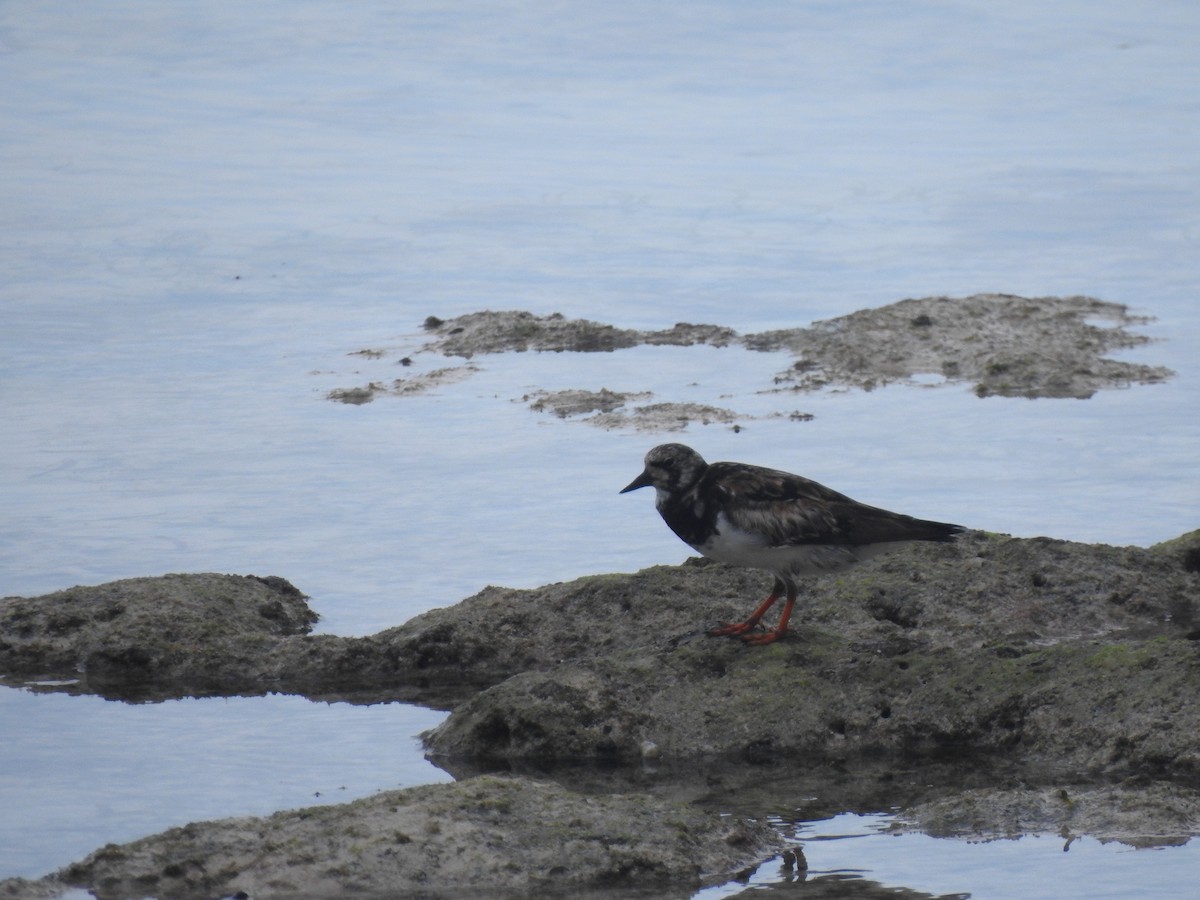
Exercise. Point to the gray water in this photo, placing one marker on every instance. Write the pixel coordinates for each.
(207, 206)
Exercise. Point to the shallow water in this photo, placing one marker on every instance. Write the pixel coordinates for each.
(78, 772)
(207, 207)
(1037, 867)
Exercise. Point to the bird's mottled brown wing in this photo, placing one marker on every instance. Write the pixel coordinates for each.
(788, 509)
(782, 507)
(863, 524)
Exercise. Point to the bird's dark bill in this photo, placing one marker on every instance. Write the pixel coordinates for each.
(641, 481)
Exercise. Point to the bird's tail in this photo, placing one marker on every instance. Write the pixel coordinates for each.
(869, 525)
(926, 530)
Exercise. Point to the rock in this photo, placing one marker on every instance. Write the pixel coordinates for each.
(1138, 813)
(356, 396)
(828, 697)
(1183, 551)
(1008, 346)
(1040, 347)
(987, 687)
(520, 331)
(402, 387)
(26, 889)
(666, 417)
(569, 403)
(178, 630)
(1032, 649)
(994, 644)
(615, 410)
(838, 886)
(499, 837)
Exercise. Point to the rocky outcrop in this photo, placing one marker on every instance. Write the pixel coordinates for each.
(1050, 686)
(1050, 651)
(1031, 648)
(1005, 345)
(499, 837)
(171, 635)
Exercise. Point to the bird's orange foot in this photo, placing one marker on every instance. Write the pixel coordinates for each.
(731, 629)
(762, 638)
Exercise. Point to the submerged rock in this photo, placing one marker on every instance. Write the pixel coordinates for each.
(612, 410)
(402, 387)
(665, 417)
(566, 404)
(520, 331)
(489, 836)
(1138, 813)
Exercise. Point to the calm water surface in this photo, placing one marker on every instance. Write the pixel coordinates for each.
(208, 206)
(1037, 867)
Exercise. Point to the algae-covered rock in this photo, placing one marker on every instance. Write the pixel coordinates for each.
(998, 344)
(488, 836)
(1039, 649)
(1006, 345)
(1104, 707)
(517, 330)
(1183, 550)
(188, 630)
(1035, 649)
(1047, 668)
(1137, 813)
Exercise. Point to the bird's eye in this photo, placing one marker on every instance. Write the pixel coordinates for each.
(668, 463)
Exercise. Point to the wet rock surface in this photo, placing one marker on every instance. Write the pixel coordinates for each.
(517, 330)
(613, 409)
(565, 404)
(161, 636)
(401, 387)
(489, 836)
(1050, 650)
(999, 344)
(1005, 345)
(616, 410)
(1138, 813)
(1055, 652)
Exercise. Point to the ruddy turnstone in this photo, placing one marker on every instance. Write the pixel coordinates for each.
(767, 519)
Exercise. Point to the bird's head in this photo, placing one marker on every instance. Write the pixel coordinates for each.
(670, 469)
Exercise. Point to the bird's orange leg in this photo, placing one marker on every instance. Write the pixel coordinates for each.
(770, 637)
(740, 628)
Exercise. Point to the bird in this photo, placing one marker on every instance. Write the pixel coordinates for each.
(767, 519)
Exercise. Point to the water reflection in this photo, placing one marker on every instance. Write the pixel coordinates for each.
(859, 825)
(853, 855)
(83, 771)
